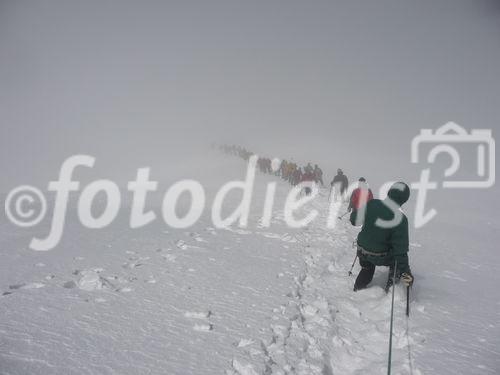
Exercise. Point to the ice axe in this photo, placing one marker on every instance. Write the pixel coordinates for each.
(353, 263)
(408, 301)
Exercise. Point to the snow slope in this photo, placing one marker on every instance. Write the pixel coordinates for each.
(239, 301)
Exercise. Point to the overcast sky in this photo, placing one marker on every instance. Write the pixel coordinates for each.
(342, 83)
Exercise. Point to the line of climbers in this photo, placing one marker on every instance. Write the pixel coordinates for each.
(289, 170)
(376, 245)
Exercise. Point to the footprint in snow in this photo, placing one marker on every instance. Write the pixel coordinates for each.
(244, 342)
(239, 231)
(169, 257)
(198, 315)
(23, 286)
(181, 245)
(70, 284)
(269, 235)
(309, 310)
(196, 236)
(125, 290)
(243, 369)
(90, 281)
(131, 265)
(211, 230)
(288, 238)
(203, 327)
(27, 286)
(109, 280)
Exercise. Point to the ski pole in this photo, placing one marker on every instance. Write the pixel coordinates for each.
(408, 301)
(392, 318)
(353, 263)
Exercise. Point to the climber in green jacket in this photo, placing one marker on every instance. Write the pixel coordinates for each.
(383, 240)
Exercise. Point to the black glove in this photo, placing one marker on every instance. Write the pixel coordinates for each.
(407, 278)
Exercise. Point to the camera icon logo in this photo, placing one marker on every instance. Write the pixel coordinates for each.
(444, 139)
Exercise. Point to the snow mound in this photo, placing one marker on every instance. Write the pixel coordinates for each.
(90, 281)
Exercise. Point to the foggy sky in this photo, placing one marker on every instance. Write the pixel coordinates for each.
(342, 83)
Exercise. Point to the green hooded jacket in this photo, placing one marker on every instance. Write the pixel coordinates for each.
(373, 238)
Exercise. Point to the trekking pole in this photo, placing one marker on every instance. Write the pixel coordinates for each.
(353, 263)
(392, 319)
(340, 217)
(408, 301)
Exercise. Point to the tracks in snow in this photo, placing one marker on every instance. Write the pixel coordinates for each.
(324, 327)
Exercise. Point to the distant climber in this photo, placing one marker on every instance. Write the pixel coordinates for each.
(339, 184)
(308, 178)
(360, 196)
(318, 175)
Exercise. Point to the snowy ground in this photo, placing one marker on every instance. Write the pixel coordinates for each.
(241, 301)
